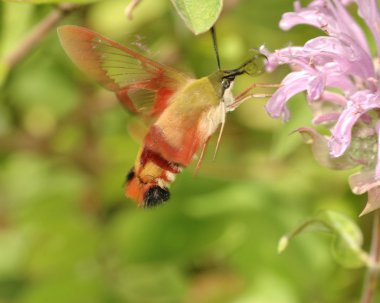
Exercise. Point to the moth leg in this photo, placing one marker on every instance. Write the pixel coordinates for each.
(222, 121)
(198, 166)
(245, 95)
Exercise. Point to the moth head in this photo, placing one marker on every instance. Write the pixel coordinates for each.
(223, 80)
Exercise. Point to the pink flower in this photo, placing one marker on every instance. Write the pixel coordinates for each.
(341, 81)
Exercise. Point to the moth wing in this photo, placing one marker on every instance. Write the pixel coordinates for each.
(142, 85)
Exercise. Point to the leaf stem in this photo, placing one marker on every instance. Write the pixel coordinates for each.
(371, 280)
(131, 7)
(38, 33)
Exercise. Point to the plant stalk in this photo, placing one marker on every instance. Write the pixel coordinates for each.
(38, 33)
(371, 280)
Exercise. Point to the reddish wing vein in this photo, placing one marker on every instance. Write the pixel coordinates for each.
(142, 85)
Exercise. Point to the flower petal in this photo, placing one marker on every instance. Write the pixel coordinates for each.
(369, 11)
(292, 84)
(363, 182)
(288, 55)
(346, 25)
(332, 17)
(341, 133)
(359, 103)
(377, 170)
(373, 202)
(326, 118)
(316, 86)
(351, 58)
(334, 98)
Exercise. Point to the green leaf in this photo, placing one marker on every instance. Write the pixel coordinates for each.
(198, 15)
(348, 238)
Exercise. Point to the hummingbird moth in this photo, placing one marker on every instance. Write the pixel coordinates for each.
(184, 111)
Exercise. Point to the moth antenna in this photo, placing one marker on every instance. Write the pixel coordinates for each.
(221, 129)
(213, 34)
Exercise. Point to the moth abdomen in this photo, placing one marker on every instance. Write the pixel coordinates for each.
(155, 196)
(131, 174)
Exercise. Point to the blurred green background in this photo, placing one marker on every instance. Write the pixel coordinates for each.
(68, 234)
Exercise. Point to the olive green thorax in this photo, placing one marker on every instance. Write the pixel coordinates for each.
(222, 79)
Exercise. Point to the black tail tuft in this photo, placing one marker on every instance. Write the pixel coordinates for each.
(155, 196)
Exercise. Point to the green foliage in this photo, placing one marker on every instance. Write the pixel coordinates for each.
(198, 15)
(68, 234)
(348, 238)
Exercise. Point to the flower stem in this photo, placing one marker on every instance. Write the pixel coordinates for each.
(38, 33)
(371, 280)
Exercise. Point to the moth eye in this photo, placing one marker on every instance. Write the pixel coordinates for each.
(226, 83)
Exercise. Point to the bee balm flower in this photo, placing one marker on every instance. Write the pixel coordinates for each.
(341, 79)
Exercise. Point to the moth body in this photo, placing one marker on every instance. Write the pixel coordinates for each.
(185, 111)
(194, 114)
